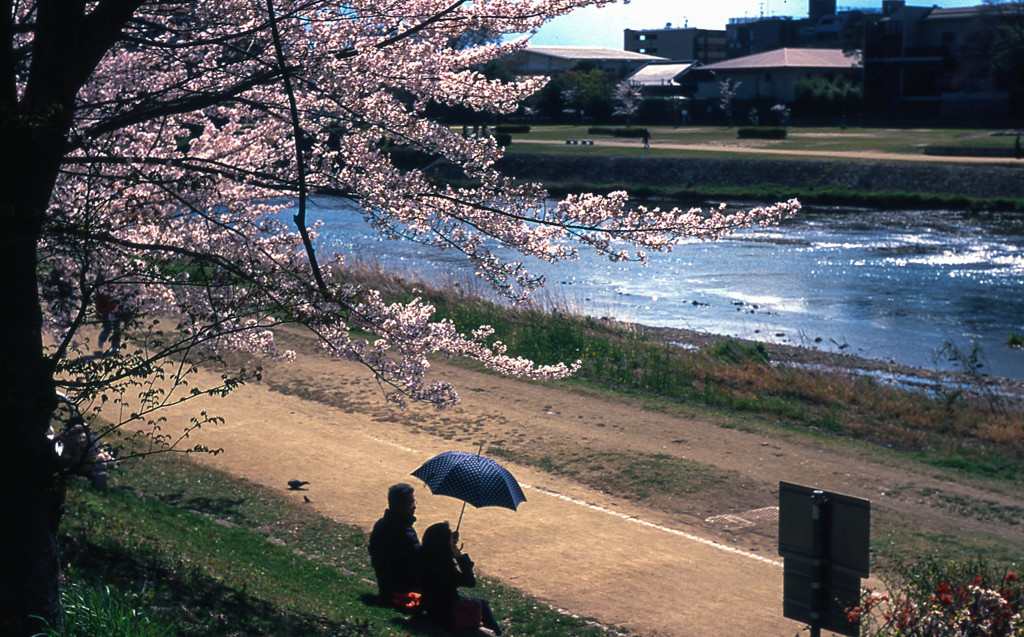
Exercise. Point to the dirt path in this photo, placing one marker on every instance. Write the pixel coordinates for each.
(748, 149)
(703, 564)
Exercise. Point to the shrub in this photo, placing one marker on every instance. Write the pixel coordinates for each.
(737, 353)
(503, 139)
(761, 132)
(629, 131)
(938, 598)
(600, 130)
(512, 128)
(92, 611)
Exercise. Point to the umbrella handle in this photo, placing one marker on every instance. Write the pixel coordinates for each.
(460, 518)
(464, 504)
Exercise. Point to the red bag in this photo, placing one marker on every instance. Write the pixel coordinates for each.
(406, 601)
(466, 614)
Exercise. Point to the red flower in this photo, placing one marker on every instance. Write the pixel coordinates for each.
(1011, 577)
(946, 600)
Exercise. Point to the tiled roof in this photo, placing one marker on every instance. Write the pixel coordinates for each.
(790, 58)
(589, 53)
(658, 74)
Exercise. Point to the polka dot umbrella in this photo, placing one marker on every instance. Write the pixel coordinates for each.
(472, 478)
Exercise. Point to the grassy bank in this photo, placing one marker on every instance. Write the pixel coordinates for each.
(178, 549)
(821, 145)
(907, 142)
(976, 435)
(811, 196)
(173, 548)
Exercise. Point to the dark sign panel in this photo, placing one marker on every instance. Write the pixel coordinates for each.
(824, 538)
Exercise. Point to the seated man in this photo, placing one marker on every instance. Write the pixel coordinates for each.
(393, 550)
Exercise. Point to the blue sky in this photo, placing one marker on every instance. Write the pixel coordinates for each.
(603, 27)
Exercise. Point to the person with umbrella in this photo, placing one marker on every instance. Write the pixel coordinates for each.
(444, 568)
(394, 546)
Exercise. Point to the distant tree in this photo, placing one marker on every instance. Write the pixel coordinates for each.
(1007, 54)
(628, 98)
(727, 90)
(572, 101)
(821, 96)
(781, 113)
(597, 90)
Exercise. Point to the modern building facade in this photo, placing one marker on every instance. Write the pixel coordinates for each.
(926, 62)
(703, 45)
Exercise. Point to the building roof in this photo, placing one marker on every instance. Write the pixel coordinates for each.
(590, 53)
(790, 58)
(657, 74)
(967, 13)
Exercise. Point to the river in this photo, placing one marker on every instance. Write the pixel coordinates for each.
(895, 286)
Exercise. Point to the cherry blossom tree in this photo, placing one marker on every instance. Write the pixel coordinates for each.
(628, 98)
(157, 161)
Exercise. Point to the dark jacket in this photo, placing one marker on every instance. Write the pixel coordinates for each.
(394, 546)
(440, 580)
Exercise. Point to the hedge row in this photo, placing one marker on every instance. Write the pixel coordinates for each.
(512, 128)
(621, 131)
(761, 132)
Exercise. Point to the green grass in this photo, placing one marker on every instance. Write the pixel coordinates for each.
(894, 144)
(896, 141)
(191, 551)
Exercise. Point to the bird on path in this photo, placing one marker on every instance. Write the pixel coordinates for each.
(295, 485)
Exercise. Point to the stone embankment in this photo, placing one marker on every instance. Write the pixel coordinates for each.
(798, 175)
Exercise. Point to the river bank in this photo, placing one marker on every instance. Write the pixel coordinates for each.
(878, 184)
(1010, 391)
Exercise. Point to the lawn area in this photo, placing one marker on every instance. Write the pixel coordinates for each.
(835, 139)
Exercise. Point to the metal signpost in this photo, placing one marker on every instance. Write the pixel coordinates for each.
(823, 538)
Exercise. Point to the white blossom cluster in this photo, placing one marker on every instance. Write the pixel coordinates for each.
(194, 136)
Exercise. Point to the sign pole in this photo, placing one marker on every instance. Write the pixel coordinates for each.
(818, 500)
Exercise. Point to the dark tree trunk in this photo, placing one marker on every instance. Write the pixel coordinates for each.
(31, 488)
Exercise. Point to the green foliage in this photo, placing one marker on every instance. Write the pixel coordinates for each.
(1015, 341)
(761, 132)
(734, 352)
(601, 130)
(512, 128)
(92, 610)
(503, 139)
(629, 131)
(820, 96)
(1007, 57)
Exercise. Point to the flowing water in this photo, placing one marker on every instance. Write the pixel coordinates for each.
(893, 286)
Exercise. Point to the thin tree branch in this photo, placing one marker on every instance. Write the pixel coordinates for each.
(300, 162)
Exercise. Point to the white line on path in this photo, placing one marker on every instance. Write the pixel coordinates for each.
(628, 518)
